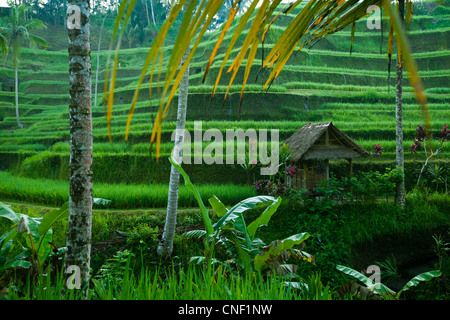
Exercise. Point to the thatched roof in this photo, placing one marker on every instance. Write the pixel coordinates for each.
(323, 141)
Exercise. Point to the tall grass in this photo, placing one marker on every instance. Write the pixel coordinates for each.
(186, 283)
(123, 196)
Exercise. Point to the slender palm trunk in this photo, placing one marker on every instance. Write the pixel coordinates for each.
(166, 245)
(78, 237)
(16, 83)
(98, 61)
(399, 152)
(144, 2)
(153, 12)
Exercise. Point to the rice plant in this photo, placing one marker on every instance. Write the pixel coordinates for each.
(56, 192)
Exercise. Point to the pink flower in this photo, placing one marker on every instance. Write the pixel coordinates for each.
(445, 134)
(415, 146)
(291, 170)
(377, 150)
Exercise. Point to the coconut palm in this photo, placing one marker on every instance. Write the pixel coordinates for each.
(78, 235)
(405, 12)
(166, 244)
(399, 152)
(18, 27)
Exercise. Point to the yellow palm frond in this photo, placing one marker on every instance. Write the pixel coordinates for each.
(315, 21)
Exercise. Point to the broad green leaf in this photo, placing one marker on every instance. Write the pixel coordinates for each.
(202, 260)
(101, 201)
(276, 248)
(234, 216)
(51, 217)
(8, 213)
(263, 219)
(382, 289)
(294, 240)
(6, 245)
(15, 264)
(426, 276)
(193, 189)
(44, 229)
(44, 247)
(351, 272)
(235, 213)
(217, 206)
(194, 234)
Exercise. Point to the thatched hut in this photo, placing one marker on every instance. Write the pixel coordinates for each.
(314, 145)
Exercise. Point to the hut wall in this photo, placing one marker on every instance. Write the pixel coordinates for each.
(310, 173)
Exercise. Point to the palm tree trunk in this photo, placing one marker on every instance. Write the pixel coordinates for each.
(153, 12)
(16, 84)
(98, 61)
(78, 237)
(166, 245)
(144, 3)
(399, 152)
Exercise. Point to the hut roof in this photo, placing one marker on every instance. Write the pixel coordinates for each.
(323, 141)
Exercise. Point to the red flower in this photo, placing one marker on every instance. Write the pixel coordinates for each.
(377, 150)
(291, 170)
(415, 146)
(420, 133)
(445, 134)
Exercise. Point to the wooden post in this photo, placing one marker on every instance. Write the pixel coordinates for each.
(351, 166)
(305, 170)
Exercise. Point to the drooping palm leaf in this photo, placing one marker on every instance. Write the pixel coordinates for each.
(317, 20)
(3, 44)
(130, 7)
(410, 65)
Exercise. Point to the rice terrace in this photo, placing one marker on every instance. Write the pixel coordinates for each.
(225, 150)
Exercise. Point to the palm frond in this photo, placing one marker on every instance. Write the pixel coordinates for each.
(3, 44)
(315, 21)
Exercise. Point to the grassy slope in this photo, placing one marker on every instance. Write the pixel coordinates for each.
(336, 86)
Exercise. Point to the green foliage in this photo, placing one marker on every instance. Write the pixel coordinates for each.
(6, 260)
(122, 196)
(115, 268)
(185, 283)
(238, 240)
(37, 235)
(37, 232)
(365, 186)
(384, 291)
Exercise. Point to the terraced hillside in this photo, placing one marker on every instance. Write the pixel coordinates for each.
(319, 84)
